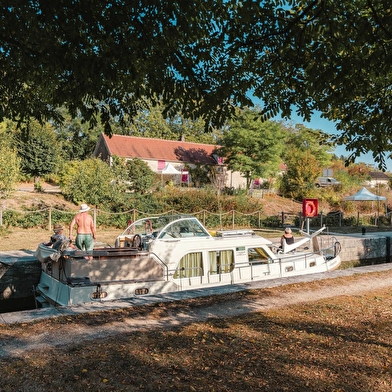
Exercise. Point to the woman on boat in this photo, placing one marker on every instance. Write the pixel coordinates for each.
(287, 237)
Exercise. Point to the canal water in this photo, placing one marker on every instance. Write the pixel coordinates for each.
(17, 305)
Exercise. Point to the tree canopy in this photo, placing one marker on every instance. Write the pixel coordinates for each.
(253, 147)
(308, 154)
(38, 149)
(202, 58)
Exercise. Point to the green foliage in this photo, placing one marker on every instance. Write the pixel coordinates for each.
(188, 200)
(25, 220)
(203, 59)
(9, 161)
(252, 147)
(307, 154)
(38, 149)
(272, 221)
(76, 138)
(88, 181)
(201, 174)
(139, 176)
(9, 171)
(149, 122)
(299, 179)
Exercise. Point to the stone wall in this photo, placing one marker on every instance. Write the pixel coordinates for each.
(365, 247)
(19, 272)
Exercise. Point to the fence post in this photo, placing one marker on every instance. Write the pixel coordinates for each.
(1, 216)
(50, 219)
(282, 218)
(232, 219)
(259, 220)
(321, 219)
(95, 217)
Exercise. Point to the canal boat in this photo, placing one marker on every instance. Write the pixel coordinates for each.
(163, 254)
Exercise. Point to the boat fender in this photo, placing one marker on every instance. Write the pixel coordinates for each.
(148, 226)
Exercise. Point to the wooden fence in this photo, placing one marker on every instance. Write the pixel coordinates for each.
(227, 219)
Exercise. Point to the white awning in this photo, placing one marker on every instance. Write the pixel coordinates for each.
(170, 169)
(364, 195)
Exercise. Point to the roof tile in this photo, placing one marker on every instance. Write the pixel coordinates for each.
(168, 150)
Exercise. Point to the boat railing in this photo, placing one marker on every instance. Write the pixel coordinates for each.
(332, 249)
(288, 262)
(223, 268)
(199, 270)
(162, 263)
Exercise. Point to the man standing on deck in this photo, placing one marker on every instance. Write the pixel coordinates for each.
(85, 229)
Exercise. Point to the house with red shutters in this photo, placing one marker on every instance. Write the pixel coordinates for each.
(169, 157)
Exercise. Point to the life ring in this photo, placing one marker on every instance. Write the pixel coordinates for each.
(310, 208)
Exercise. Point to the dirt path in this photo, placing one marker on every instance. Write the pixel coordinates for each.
(17, 339)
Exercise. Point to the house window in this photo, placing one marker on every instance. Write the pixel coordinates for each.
(184, 177)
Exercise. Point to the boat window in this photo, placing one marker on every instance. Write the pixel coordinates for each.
(221, 261)
(190, 265)
(184, 228)
(257, 255)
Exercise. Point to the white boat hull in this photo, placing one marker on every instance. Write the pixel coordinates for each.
(168, 263)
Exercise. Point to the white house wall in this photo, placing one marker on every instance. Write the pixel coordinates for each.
(233, 179)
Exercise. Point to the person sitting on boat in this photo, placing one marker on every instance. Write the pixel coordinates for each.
(287, 237)
(58, 238)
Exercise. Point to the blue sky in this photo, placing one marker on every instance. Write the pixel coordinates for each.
(328, 127)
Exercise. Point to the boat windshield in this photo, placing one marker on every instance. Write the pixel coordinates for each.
(154, 225)
(181, 228)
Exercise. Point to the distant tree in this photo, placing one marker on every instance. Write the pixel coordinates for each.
(192, 130)
(38, 149)
(150, 122)
(307, 152)
(88, 181)
(76, 138)
(9, 171)
(317, 142)
(299, 179)
(201, 175)
(251, 146)
(139, 176)
(9, 162)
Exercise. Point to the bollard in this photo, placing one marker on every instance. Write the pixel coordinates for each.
(363, 230)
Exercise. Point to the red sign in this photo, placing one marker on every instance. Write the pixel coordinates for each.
(309, 208)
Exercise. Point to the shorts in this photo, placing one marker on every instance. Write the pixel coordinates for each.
(85, 241)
